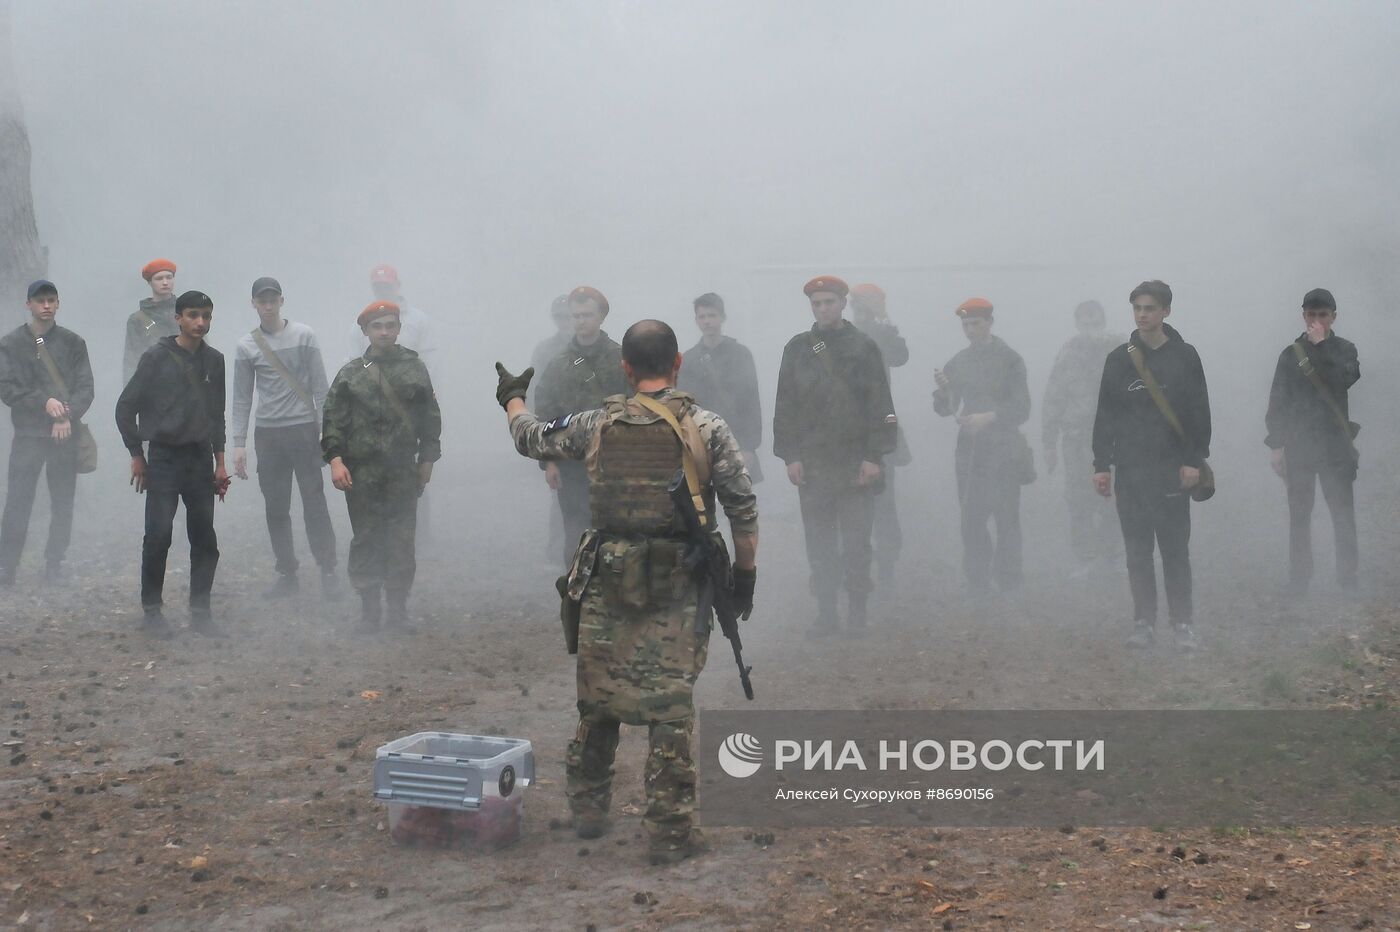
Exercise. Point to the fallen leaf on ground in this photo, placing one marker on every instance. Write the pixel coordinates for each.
(370, 694)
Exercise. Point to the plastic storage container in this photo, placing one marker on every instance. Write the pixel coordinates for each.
(454, 791)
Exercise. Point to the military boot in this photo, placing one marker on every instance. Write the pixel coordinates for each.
(589, 824)
(396, 614)
(371, 611)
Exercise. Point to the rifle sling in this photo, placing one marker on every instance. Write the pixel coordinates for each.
(692, 475)
(276, 362)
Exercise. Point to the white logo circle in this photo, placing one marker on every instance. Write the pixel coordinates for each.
(740, 755)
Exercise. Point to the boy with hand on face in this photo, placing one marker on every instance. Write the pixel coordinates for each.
(175, 403)
(380, 433)
(1311, 439)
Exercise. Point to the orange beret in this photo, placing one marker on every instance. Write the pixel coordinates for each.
(381, 274)
(584, 292)
(826, 283)
(975, 307)
(868, 290)
(157, 265)
(376, 309)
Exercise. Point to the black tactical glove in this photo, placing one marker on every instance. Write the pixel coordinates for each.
(512, 386)
(743, 591)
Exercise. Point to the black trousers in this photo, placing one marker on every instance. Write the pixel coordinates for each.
(285, 453)
(174, 474)
(1336, 481)
(573, 505)
(1151, 510)
(58, 461)
(837, 519)
(989, 492)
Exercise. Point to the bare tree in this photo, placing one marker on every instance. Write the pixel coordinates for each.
(22, 258)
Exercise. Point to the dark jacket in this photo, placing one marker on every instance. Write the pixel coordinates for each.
(25, 384)
(833, 405)
(154, 320)
(986, 377)
(174, 397)
(540, 358)
(724, 380)
(1299, 420)
(893, 349)
(1129, 430)
(580, 377)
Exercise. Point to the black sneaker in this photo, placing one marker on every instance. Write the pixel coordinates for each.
(286, 586)
(55, 572)
(202, 623)
(155, 626)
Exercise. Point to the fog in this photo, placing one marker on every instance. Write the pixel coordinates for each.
(499, 154)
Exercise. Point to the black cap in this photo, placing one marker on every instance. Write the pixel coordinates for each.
(42, 285)
(192, 299)
(1320, 297)
(266, 284)
(559, 307)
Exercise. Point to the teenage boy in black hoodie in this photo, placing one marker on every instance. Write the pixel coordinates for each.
(1156, 469)
(175, 402)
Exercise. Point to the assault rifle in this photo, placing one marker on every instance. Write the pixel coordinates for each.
(708, 563)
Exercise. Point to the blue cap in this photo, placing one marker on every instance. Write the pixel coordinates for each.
(42, 284)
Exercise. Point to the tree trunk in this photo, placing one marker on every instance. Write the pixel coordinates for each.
(22, 258)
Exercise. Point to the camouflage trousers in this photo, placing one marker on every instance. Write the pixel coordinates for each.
(383, 507)
(638, 667)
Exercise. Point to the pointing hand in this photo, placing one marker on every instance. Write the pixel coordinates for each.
(511, 386)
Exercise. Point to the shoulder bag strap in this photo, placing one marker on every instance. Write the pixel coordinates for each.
(276, 362)
(692, 476)
(54, 374)
(392, 397)
(1310, 372)
(1155, 391)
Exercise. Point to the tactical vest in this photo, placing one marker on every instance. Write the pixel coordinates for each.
(633, 458)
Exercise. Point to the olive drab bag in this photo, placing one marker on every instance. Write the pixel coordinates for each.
(85, 445)
(1205, 487)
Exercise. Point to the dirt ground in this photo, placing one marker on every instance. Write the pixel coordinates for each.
(126, 760)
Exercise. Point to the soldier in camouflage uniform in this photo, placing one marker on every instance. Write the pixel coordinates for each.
(577, 379)
(833, 424)
(1067, 430)
(641, 645)
(380, 434)
(870, 317)
(154, 319)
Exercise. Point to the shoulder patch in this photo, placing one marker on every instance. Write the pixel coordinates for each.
(559, 423)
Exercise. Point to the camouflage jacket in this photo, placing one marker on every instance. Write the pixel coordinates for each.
(1072, 392)
(580, 377)
(570, 436)
(361, 424)
(144, 329)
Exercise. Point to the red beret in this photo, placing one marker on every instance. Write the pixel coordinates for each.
(383, 273)
(826, 283)
(584, 292)
(157, 265)
(975, 307)
(376, 309)
(869, 291)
